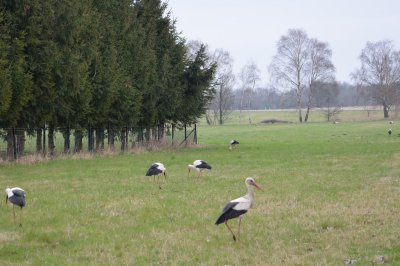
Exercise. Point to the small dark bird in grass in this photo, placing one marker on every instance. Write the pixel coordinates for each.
(16, 196)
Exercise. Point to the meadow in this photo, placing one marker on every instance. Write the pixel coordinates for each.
(331, 193)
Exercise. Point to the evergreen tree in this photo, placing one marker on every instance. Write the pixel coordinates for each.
(198, 91)
(15, 15)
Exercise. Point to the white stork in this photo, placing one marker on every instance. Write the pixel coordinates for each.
(156, 169)
(16, 196)
(233, 144)
(238, 207)
(199, 166)
(390, 131)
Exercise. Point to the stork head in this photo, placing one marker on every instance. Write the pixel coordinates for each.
(8, 191)
(190, 166)
(251, 183)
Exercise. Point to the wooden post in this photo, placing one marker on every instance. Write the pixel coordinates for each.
(14, 144)
(185, 136)
(173, 134)
(195, 134)
(44, 141)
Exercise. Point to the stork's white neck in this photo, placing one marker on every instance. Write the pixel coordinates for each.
(250, 192)
(9, 192)
(191, 166)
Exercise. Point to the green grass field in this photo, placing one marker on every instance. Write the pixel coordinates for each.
(331, 193)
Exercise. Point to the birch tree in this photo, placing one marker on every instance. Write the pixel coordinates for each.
(380, 73)
(301, 63)
(288, 67)
(319, 70)
(248, 76)
(221, 105)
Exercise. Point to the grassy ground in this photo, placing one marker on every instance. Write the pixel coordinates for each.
(331, 193)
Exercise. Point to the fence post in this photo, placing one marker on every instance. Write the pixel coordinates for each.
(185, 136)
(44, 141)
(108, 136)
(195, 134)
(14, 144)
(173, 133)
(127, 138)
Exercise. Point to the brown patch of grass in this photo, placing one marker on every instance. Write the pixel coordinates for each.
(8, 236)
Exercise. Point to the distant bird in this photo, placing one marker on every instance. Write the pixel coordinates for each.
(156, 169)
(238, 207)
(391, 122)
(390, 131)
(16, 196)
(199, 166)
(233, 144)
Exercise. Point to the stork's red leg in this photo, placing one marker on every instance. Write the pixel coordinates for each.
(20, 222)
(240, 219)
(233, 235)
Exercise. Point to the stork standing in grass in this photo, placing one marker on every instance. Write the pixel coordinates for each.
(156, 169)
(16, 196)
(238, 207)
(233, 144)
(199, 166)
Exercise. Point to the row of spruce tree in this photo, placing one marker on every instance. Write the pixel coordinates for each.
(93, 65)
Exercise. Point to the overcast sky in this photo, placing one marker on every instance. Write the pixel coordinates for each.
(250, 29)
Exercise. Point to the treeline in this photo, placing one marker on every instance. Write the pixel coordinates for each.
(93, 66)
(337, 94)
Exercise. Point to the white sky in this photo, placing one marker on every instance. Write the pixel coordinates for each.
(249, 30)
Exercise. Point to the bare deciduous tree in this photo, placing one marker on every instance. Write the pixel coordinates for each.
(380, 73)
(288, 67)
(319, 70)
(221, 106)
(301, 63)
(248, 76)
(326, 97)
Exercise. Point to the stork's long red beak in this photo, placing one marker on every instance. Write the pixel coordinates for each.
(257, 186)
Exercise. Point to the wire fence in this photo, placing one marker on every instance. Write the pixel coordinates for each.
(49, 142)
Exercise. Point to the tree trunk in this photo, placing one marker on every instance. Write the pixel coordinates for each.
(110, 135)
(11, 154)
(123, 140)
(50, 136)
(307, 112)
(385, 111)
(67, 140)
(44, 141)
(99, 139)
(78, 135)
(20, 134)
(39, 141)
(220, 106)
(300, 117)
(299, 104)
(90, 139)
(147, 134)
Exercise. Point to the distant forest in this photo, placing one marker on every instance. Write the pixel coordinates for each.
(264, 98)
